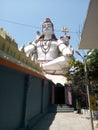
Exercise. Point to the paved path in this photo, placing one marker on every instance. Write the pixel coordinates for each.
(64, 121)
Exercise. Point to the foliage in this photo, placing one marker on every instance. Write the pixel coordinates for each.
(76, 73)
(93, 65)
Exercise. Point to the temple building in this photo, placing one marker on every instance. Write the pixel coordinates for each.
(33, 80)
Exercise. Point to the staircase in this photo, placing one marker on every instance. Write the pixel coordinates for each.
(60, 108)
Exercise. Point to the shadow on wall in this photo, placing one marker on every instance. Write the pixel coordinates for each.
(45, 122)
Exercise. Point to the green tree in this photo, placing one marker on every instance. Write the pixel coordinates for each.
(93, 66)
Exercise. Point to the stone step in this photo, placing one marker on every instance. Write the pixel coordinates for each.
(60, 108)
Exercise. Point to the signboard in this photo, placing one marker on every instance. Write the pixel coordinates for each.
(94, 103)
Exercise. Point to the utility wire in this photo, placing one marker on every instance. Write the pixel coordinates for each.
(21, 24)
(26, 25)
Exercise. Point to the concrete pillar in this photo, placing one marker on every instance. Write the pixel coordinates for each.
(53, 94)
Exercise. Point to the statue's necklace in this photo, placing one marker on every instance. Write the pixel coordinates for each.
(45, 46)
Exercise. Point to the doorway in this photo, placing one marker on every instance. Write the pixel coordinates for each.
(59, 95)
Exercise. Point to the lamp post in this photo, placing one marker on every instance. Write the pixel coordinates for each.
(84, 58)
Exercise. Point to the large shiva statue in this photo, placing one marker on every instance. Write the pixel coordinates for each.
(54, 55)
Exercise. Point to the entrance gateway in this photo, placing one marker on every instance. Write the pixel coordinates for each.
(61, 94)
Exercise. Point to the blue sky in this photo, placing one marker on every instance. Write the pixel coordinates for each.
(15, 14)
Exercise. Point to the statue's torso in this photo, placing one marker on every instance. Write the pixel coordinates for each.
(47, 50)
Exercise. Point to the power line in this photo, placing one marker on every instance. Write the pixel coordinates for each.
(21, 24)
(26, 25)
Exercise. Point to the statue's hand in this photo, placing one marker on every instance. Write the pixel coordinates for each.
(22, 48)
(67, 51)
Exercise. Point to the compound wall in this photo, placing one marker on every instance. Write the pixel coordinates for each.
(24, 98)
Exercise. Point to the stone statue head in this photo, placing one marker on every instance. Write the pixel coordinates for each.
(48, 22)
(48, 28)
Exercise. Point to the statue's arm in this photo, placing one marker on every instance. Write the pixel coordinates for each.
(65, 49)
(30, 49)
